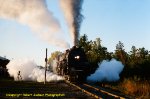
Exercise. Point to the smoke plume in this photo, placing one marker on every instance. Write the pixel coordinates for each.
(29, 71)
(35, 15)
(72, 11)
(107, 71)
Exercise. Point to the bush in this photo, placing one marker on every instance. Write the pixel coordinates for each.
(136, 88)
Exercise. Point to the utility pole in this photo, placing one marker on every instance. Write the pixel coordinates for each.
(45, 66)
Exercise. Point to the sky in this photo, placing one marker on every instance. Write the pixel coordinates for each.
(112, 21)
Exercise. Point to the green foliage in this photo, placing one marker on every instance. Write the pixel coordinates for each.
(120, 53)
(136, 62)
(94, 50)
(54, 55)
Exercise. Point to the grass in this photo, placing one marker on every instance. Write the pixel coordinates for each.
(136, 88)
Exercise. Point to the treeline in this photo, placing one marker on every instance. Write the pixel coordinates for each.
(136, 62)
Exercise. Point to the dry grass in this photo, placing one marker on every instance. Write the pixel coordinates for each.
(138, 89)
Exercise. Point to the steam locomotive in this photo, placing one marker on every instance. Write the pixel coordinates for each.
(73, 65)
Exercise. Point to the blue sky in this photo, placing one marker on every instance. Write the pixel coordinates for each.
(127, 21)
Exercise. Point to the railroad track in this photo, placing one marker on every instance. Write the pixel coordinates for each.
(96, 92)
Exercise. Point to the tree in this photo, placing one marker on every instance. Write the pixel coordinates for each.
(143, 52)
(120, 53)
(53, 56)
(94, 51)
(84, 43)
(133, 56)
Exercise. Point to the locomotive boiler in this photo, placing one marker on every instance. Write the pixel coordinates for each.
(73, 65)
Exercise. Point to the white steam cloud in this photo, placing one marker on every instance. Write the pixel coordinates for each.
(107, 71)
(38, 75)
(34, 14)
(53, 64)
(29, 71)
(66, 6)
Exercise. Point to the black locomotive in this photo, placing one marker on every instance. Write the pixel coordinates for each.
(73, 65)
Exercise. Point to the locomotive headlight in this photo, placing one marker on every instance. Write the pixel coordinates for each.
(77, 57)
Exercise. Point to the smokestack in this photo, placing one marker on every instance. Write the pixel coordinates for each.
(72, 12)
(45, 66)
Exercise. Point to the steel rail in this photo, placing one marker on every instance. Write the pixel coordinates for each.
(106, 92)
(96, 92)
